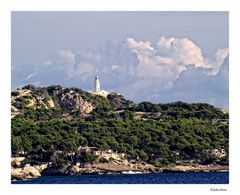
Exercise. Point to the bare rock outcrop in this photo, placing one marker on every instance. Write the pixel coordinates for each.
(34, 97)
(73, 101)
(27, 172)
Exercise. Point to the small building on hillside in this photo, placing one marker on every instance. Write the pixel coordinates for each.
(217, 153)
(87, 150)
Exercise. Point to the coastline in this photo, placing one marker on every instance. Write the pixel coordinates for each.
(31, 172)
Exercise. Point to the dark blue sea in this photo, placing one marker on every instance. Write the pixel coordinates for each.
(149, 178)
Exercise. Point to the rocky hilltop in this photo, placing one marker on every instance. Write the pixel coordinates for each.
(47, 98)
(60, 131)
(68, 100)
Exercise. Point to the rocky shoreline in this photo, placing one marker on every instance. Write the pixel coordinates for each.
(104, 162)
(26, 172)
(30, 172)
(197, 168)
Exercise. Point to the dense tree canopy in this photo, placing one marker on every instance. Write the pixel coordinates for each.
(163, 134)
(148, 140)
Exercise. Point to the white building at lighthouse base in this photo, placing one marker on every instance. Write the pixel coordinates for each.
(101, 93)
(97, 90)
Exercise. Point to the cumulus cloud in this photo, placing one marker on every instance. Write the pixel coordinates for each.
(140, 46)
(182, 51)
(145, 71)
(171, 57)
(169, 69)
(186, 52)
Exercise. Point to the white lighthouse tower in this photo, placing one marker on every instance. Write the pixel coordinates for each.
(97, 84)
(97, 90)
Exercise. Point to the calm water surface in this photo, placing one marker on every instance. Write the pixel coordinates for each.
(149, 178)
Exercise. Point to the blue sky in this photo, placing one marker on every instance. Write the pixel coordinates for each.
(146, 56)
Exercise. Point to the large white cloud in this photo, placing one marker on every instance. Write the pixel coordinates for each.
(145, 70)
(182, 51)
(166, 59)
(140, 70)
(171, 57)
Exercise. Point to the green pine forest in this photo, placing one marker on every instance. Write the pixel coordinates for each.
(160, 134)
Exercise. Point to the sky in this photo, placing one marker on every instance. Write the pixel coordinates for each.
(145, 56)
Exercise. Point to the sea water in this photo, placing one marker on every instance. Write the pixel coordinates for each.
(148, 178)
